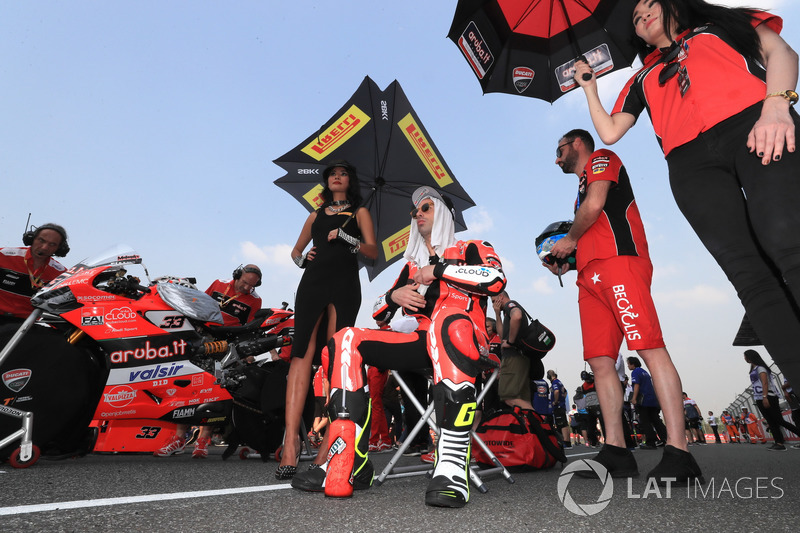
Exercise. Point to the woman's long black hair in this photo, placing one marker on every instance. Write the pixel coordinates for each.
(736, 21)
(754, 358)
(353, 189)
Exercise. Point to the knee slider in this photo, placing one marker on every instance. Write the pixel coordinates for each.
(455, 408)
(463, 347)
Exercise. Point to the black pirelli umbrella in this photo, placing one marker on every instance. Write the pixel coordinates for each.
(380, 134)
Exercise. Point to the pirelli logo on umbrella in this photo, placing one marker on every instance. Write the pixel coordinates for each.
(313, 197)
(337, 134)
(396, 244)
(414, 134)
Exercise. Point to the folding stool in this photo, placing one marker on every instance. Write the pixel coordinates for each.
(393, 471)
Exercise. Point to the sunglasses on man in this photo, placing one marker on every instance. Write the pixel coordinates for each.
(424, 208)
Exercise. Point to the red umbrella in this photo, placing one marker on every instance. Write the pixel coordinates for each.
(529, 47)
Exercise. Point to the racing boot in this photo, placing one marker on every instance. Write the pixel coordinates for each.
(359, 407)
(455, 411)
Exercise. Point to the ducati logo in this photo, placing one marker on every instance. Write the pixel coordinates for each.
(522, 77)
(15, 380)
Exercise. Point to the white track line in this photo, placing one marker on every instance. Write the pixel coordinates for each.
(78, 504)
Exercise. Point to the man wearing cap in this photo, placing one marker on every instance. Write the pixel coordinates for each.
(442, 291)
(25, 270)
(614, 276)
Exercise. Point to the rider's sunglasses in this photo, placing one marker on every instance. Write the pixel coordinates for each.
(560, 146)
(671, 67)
(424, 208)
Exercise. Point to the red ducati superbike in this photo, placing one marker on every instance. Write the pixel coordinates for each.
(101, 347)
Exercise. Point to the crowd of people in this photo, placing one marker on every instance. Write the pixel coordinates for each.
(734, 135)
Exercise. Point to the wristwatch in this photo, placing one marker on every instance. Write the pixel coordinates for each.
(788, 95)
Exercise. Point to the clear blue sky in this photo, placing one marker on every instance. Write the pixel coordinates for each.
(155, 124)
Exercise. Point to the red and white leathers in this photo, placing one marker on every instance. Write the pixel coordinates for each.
(450, 336)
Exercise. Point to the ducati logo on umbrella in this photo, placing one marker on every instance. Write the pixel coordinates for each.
(523, 76)
(506, 41)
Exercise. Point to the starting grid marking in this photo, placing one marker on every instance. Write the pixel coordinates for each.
(103, 502)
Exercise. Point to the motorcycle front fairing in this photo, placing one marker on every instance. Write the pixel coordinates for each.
(146, 337)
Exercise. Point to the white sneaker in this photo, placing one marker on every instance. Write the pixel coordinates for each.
(173, 447)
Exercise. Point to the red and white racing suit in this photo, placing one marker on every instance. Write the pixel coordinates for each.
(451, 337)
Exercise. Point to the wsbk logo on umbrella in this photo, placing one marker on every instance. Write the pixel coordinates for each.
(523, 77)
(15, 380)
(475, 50)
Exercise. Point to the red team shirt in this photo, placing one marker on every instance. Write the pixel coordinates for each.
(614, 269)
(18, 280)
(619, 229)
(716, 83)
(237, 309)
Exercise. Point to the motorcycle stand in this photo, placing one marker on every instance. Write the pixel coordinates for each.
(27, 454)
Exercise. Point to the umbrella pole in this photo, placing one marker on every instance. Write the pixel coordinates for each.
(574, 40)
(378, 183)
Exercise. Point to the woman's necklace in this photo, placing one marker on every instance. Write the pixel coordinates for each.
(341, 206)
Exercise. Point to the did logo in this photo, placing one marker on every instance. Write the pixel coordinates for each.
(585, 509)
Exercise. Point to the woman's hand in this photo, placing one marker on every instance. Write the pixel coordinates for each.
(581, 68)
(773, 131)
(311, 253)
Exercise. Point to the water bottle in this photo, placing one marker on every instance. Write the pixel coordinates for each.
(341, 455)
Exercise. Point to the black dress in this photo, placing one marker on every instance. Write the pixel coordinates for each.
(332, 277)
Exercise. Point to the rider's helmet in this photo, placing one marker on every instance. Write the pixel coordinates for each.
(551, 235)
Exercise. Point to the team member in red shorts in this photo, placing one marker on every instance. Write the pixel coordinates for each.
(614, 274)
(442, 290)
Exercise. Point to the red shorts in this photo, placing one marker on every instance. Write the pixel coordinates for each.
(615, 303)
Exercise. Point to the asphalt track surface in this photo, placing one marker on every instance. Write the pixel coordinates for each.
(747, 488)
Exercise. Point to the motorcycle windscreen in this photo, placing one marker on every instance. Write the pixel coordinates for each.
(190, 302)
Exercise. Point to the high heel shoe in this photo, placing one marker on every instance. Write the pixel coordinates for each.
(284, 472)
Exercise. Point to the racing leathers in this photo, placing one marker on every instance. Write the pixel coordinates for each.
(450, 336)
